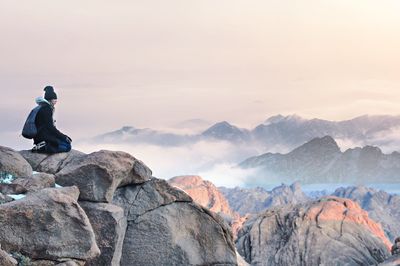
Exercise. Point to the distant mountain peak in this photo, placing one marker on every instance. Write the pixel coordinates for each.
(281, 118)
(127, 128)
(224, 130)
(322, 145)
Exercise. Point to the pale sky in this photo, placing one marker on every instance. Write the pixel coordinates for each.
(154, 63)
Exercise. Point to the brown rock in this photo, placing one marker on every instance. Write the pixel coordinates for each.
(204, 193)
(48, 224)
(331, 231)
(13, 163)
(36, 182)
(99, 174)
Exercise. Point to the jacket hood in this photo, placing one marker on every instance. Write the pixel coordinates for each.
(40, 100)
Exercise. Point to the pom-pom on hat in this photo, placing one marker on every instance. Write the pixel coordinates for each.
(49, 93)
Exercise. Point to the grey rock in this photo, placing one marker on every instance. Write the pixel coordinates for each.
(166, 228)
(33, 158)
(381, 206)
(5, 198)
(12, 189)
(55, 162)
(396, 247)
(330, 231)
(11, 162)
(48, 224)
(392, 261)
(254, 200)
(6, 259)
(99, 174)
(137, 200)
(61, 262)
(36, 182)
(49, 163)
(109, 225)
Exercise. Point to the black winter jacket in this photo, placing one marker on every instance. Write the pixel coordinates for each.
(46, 129)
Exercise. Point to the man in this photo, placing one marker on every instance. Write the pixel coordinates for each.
(48, 138)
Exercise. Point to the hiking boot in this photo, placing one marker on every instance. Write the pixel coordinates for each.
(39, 147)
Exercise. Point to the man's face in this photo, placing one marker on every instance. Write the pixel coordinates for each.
(54, 101)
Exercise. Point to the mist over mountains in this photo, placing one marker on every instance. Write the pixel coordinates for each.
(281, 149)
(276, 134)
(321, 161)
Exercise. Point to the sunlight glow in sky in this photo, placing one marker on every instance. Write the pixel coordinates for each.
(155, 63)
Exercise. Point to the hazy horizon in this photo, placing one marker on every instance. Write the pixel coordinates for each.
(156, 63)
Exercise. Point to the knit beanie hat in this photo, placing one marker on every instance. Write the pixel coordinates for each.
(49, 93)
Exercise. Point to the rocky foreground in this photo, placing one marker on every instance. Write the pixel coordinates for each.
(110, 211)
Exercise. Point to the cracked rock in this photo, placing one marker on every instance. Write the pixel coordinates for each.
(99, 174)
(165, 227)
(330, 231)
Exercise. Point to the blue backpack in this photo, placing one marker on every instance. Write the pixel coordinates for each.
(30, 131)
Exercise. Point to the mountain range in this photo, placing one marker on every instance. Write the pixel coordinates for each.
(321, 161)
(276, 134)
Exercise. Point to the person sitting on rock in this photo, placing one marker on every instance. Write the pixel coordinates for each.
(48, 138)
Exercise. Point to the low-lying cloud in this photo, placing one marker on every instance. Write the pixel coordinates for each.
(215, 161)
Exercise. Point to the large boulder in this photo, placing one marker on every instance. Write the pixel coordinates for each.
(99, 174)
(109, 225)
(330, 231)
(49, 163)
(48, 224)
(11, 162)
(166, 228)
(36, 182)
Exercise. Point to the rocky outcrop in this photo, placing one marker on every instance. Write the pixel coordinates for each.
(36, 182)
(148, 221)
(109, 225)
(381, 206)
(99, 174)
(11, 162)
(49, 163)
(330, 231)
(6, 259)
(49, 225)
(204, 193)
(250, 201)
(166, 228)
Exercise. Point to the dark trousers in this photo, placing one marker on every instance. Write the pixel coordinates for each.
(63, 146)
